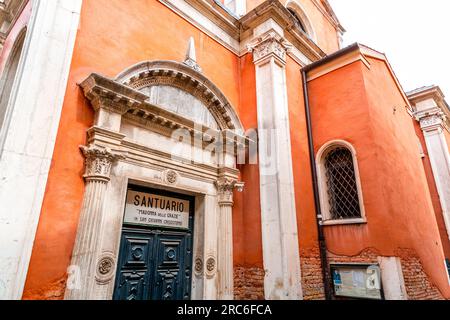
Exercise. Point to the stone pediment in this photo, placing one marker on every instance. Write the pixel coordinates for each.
(178, 75)
(134, 106)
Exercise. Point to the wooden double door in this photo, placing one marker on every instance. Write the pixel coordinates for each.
(155, 263)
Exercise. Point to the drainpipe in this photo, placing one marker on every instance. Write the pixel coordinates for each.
(322, 242)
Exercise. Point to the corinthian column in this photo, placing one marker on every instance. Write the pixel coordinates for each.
(225, 187)
(278, 214)
(97, 175)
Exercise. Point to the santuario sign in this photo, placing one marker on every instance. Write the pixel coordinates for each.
(148, 209)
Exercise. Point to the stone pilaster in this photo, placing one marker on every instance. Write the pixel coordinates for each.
(432, 124)
(225, 188)
(278, 213)
(97, 175)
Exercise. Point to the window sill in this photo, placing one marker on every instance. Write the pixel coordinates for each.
(344, 222)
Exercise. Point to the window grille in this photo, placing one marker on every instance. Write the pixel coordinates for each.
(341, 182)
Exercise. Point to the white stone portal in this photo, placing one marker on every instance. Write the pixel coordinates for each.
(132, 142)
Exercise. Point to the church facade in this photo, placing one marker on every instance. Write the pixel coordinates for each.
(203, 149)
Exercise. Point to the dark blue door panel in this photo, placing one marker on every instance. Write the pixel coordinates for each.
(154, 264)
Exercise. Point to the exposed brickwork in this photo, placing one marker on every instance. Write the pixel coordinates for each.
(367, 256)
(312, 280)
(418, 286)
(248, 283)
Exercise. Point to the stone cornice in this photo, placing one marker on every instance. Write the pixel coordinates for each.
(273, 9)
(108, 94)
(234, 33)
(133, 106)
(432, 92)
(437, 114)
(215, 12)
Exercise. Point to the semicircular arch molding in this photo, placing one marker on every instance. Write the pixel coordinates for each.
(296, 7)
(174, 74)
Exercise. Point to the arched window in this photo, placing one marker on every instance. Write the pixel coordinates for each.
(300, 16)
(299, 21)
(340, 189)
(8, 77)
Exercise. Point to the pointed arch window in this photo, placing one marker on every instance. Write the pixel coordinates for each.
(340, 188)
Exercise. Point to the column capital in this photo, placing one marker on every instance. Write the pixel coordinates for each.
(270, 44)
(431, 120)
(99, 162)
(225, 187)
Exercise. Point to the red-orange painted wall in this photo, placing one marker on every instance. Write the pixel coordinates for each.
(356, 104)
(251, 249)
(304, 198)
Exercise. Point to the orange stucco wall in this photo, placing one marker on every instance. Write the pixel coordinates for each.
(304, 198)
(356, 104)
(108, 41)
(21, 23)
(251, 248)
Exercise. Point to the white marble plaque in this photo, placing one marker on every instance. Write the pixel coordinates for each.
(148, 209)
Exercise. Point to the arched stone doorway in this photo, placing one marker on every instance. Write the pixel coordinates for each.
(141, 117)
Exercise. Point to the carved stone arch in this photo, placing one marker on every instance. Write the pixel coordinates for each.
(295, 6)
(8, 77)
(131, 142)
(179, 75)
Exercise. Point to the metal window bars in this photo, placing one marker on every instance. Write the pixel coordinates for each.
(341, 182)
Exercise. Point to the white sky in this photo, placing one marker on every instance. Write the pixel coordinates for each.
(414, 34)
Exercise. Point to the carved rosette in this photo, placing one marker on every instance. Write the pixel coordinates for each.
(105, 268)
(225, 188)
(210, 268)
(269, 45)
(99, 162)
(171, 177)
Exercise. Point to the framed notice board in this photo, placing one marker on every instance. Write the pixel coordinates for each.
(357, 281)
